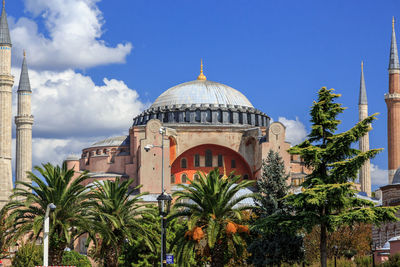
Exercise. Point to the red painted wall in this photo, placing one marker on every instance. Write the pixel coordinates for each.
(242, 168)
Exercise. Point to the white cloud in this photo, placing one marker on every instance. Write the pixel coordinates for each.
(68, 104)
(378, 176)
(73, 28)
(56, 150)
(295, 130)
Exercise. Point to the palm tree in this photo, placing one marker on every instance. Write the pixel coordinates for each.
(116, 219)
(215, 218)
(59, 186)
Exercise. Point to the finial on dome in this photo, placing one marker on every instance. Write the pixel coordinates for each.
(362, 65)
(4, 3)
(201, 77)
(24, 53)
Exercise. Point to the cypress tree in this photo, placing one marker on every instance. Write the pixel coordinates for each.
(329, 196)
(278, 245)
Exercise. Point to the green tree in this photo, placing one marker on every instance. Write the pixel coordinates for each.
(279, 244)
(329, 198)
(7, 237)
(214, 230)
(136, 253)
(73, 258)
(59, 186)
(116, 219)
(28, 255)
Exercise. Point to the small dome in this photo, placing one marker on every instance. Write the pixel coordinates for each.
(396, 177)
(201, 92)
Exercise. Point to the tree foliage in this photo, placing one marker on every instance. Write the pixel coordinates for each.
(215, 228)
(73, 258)
(116, 218)
(28, 255)
(277, 245)
(329, 198)
(354, 240)
(29, 203)
(136, 253)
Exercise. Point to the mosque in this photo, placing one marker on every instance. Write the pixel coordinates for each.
(194, 126)
(200, 125)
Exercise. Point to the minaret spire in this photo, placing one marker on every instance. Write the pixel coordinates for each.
(362, 100)
(365, 170)
(24, 83)
(23, 122)
(394, 56)
(4, 31)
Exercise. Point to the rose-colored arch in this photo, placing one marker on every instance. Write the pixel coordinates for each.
(242, 167)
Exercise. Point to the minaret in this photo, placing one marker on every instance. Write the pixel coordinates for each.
(365, 174)
(392, 100)
(24, 122)
(6, 83)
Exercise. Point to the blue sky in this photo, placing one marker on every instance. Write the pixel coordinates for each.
(278, 53)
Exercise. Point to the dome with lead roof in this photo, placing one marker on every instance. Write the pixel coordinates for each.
(203, 102)
(201, 92)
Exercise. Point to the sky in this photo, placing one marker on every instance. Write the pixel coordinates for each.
(94, 65)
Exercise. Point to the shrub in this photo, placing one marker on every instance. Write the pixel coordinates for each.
(75, 259)
(364, 261)
(28, 255)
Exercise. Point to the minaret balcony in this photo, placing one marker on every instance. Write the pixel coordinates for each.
(392, 96)
(23, 120)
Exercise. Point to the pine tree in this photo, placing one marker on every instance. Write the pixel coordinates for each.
(329, 197)
(278, 245)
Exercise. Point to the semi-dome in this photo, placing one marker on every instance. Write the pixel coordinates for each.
(396, 177)
(201, 92)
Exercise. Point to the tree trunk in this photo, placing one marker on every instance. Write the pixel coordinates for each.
(55, 256)
(322, 246)
(217, 255)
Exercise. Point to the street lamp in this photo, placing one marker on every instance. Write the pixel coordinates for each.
(164, 200)
(50, 207)
(164, 206)
(335, 248)
(373, 255)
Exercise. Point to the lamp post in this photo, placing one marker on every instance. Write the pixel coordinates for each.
(50, 207)
(164, 206)
(164, 200)
(373, 255)
(336, 252)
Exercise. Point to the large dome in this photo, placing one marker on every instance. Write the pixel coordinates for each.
(203, 102)
(200, 92)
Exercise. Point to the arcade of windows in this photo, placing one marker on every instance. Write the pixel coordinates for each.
(208, 161)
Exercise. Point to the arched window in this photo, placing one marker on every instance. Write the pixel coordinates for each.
(183, 163)
(197, 160)
(208, 158)
(198, 115)
(172, 178)
(233, 163)
(196, 177)
(183, 178)
(220, 163)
